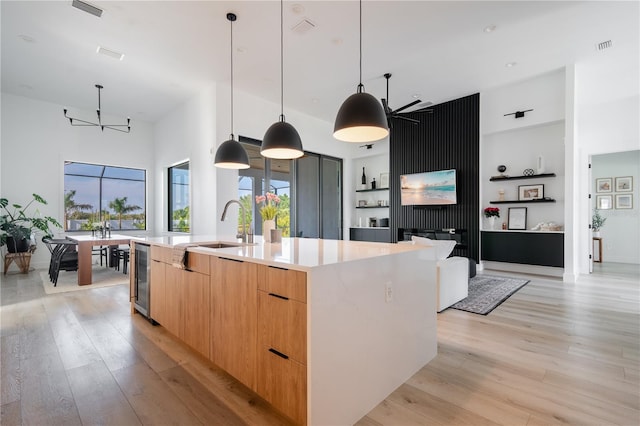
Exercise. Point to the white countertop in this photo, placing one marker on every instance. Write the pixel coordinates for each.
(293, 253)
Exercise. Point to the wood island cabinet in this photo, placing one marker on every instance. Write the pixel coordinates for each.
(282, 340)
(180, 297)
(233, 317)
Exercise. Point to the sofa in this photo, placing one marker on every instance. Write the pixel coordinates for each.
(452, 279)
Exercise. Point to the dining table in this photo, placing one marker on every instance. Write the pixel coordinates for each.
(85, 247)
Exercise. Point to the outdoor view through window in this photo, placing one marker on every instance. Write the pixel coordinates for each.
(95, 193)
(179, 198)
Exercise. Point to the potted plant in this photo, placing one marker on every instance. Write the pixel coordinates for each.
(492, 213)
(17, 224)
(597, 222)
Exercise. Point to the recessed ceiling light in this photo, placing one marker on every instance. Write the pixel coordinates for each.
(336, 41)
(314, 100)
(415, 95)
(297, 8)
(27, 38)
(510, 64)
(489, 28)
(241, 49)
(110, 53)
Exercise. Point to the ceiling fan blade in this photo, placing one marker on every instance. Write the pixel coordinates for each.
(409, 105)
(387, 110)
(406, 119)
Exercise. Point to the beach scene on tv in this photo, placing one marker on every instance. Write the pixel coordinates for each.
(428, 188)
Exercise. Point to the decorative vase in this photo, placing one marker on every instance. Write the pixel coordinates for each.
(596, 234)
(267, 226)
(492, 222)
(540, 165)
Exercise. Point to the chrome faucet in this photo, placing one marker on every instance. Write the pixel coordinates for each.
(244, 228)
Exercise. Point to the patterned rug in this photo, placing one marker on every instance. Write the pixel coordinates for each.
(486, 292)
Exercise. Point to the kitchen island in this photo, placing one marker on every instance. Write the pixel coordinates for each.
(322, 329)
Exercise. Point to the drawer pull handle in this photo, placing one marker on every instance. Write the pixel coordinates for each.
(278, 296)
(277, 267)
(280, 354)
(232, 260)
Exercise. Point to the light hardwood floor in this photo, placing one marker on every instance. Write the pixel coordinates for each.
(553, 353)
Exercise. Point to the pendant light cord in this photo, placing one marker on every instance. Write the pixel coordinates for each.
(360, 86)
(281, 61)
(231, 20)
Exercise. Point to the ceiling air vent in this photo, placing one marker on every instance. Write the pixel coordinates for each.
(303, 26)
(86, 7)
(110, 53)
(604, 45)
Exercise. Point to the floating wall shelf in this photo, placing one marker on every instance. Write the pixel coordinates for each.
(544, 200)
(372, 190)
(543, 175)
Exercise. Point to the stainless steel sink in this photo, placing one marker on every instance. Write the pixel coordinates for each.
(221, 244)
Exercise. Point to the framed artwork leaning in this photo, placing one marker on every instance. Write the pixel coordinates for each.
(530, 192)
(517, 218)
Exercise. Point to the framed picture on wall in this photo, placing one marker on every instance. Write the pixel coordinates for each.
(517, 218)
(384, 180)
(530, 192)
(624, 201)
(604, 202)
(624, 184)
(604, 185)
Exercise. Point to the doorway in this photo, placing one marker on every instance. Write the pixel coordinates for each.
(615, 207)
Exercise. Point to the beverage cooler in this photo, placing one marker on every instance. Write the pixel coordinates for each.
(141, 278)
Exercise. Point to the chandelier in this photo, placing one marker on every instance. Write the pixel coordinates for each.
(118, 127)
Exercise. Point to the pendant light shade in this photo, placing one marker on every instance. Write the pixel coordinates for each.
(281, 140)
(231, 154)
(361, 117)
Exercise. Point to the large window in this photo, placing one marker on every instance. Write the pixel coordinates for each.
(94, 193)
(179, 217)
(254, 181)
(309, 188)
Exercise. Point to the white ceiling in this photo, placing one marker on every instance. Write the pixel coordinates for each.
(174, 48)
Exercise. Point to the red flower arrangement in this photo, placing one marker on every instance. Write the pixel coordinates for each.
(491, 212)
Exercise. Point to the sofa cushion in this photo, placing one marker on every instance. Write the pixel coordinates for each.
(443, 247)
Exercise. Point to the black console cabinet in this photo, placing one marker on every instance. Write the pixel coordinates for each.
(380, 235)
(530, 248)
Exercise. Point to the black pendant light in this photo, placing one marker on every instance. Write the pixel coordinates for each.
(281, 140)
(361, 117)
(230, 153)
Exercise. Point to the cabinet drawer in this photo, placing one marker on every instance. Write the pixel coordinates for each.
(198, 262)
(283, 382)
(282, 325)
(284, 282)
(161, 254)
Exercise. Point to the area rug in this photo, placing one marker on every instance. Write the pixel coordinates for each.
(486, 292)
(68, 280)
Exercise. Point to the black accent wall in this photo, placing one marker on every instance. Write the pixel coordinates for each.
(447, 138)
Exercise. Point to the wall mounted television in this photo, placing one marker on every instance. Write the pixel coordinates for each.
(435, 188)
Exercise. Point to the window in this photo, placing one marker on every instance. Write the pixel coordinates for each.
(179, 215)
(309, 188)
(254, 181)
(95, 193)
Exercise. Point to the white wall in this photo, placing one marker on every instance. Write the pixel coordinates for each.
(36, 140)
(620, 231)
(519, 150)
(607, 102)
(188, 133)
